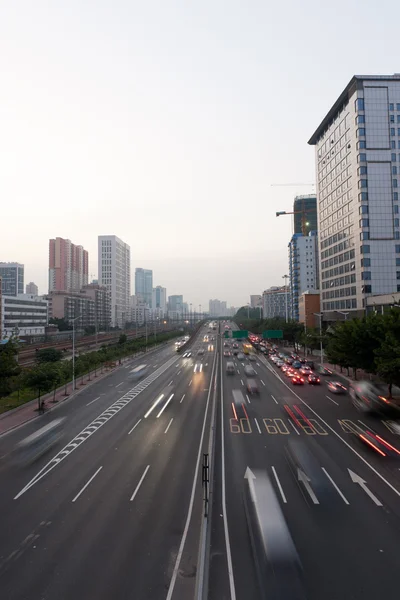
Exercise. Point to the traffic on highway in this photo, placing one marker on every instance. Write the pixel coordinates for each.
(217, 467)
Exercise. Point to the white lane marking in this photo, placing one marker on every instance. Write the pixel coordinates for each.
(165, 405)
(179, 372)
(140, 483)
(381, 477)
(248, 399)
(118, 384)
(171, 382)
(238, 371)
(255, 372)
(194, 486)
(335, 486)
(242, 381)
(91, 402)
(152, 407)
(363, 485)
(190, 382)
(224, 511)
(155, 366)
(274, 399)
(366, 426)
(279, 484)
(181, 400)
(258, 427)
(332, 400)
(305, 480)
(169, 425)
(262, 382)
(258, 364)
(290, 421)
(86, 484)
(134, 427)
(95, 425)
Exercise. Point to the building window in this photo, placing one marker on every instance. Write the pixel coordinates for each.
(363, 170)
(398, 118)
(366, 275)
(391, 106)
(366, 249)
(394, 156)
(364, 235)
(397, 274)
(396, 222)
(361, 145)
(366, 289)
(397, 248)
(397, 235)
(363, 209)
(397, 262)
(392, 131)
(398, 288)
(395, 183)
(395, 196)
(363, 183)
(360, 104)
(392, 118)
(361, 119)
(396, 209)
(363, 196)
(361, 131)
(397, 106)
(365, 262)
(394, 170)
(393, 144)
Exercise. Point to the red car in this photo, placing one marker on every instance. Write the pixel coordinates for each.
(297, 380)
(313, 379)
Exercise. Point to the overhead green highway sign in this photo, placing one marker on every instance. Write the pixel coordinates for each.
(240, 334)
(273, 334)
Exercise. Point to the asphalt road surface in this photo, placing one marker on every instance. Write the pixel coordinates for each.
(114, 510)
(347, 540)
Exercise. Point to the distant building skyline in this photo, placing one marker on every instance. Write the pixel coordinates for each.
(144, 285)
(68, 266)
(31, 288)
(12, 278)
(114, 271)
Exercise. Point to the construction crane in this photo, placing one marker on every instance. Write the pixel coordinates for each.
(303, 213)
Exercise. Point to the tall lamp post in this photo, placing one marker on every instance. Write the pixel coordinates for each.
(286, 277)
(342, 313)
(73, 351)
(320, 337)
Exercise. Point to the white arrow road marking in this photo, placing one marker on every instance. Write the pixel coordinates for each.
(306, 482)
(363, 484)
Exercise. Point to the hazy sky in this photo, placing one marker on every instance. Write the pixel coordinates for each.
(166, 122)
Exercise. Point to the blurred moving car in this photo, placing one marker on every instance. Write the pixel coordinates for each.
(305, 458)
(324, 371)
(374, 441)
(336, 387)
(241, 356)
(372, 398)
(252, 386)
(249, 371)
(39, 442)
(279, 363)
(313, 379)
(200, 352)
(227, 353)
(297, 380)
(252, 357)
(296, 364)
(230, 368)
(305, 370)
(290, 373)
(138, 372)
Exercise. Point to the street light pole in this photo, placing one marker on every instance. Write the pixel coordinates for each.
(285, 277)
(73, 352)
(342, 313)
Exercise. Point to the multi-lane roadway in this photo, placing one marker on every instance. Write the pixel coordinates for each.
(348, 537)
(115, 509)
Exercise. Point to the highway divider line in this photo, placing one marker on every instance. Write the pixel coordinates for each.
(258, 427)
(181, 400)
(140, 483)
(87, 483)
(332, 400)
(91, 402)
(274, 399)
(134, 427)
(169, 425)
(343, 497)
(278, 483)
(191, 502)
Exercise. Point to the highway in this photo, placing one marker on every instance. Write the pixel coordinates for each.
(114, 510)
(348, 538)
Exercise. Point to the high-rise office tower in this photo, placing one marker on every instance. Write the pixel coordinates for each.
(114, 262)
(68, 266)
(303, 268)
(160, 298)
(12, 277)
(144, 285)
(357, 152)
(31, 288)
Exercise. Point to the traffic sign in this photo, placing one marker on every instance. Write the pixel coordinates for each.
(273, 334)
(240, 334)
(226, 334)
